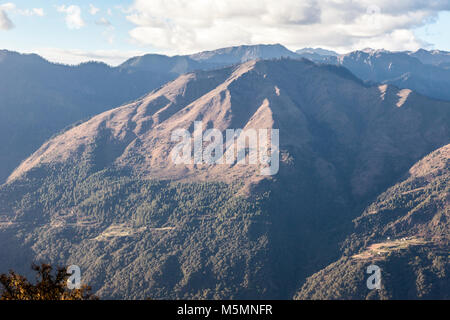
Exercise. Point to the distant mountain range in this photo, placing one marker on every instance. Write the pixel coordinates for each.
(419, 71)
(434, 57)
(317, 54)
(104, 194)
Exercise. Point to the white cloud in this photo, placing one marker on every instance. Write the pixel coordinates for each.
(5, 21)
(93, 10)
(103, 22)
(38, 12)
(7, 6)
(108, 32)
(109, 36)
(32, 12)
(73, 16)
(73, 57)
(184, 26)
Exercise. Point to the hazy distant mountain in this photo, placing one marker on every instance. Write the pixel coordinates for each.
(104, 195)
(401, 69)
(434, 57)
(238, 54)
(207, 60)
(317, 54)
(161, 64)
(319, 51)
(406, 232)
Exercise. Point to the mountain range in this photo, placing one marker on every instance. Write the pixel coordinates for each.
(39, 99)
(418, 71)
(104, 195)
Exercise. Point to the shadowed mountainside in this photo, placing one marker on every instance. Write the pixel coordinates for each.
(405, 232)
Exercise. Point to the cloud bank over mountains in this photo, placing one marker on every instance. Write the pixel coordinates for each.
(184, 26)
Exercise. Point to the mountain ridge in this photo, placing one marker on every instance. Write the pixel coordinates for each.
(148, 114)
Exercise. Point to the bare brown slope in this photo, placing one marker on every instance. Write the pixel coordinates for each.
(145, 126)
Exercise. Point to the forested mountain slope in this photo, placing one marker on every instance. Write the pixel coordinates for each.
(406, 232)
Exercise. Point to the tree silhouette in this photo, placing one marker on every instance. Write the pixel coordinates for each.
(47, 287)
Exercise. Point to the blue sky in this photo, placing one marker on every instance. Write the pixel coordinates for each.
(111, 31)
(51, 29)
(103, 35)
(437, 33)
